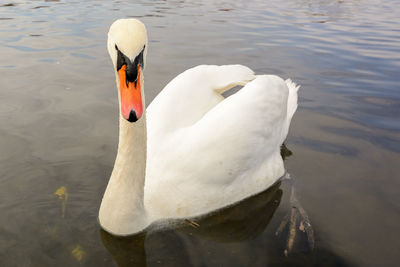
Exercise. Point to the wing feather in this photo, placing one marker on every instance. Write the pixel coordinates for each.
(189, 96)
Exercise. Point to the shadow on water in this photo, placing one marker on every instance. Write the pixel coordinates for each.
(234, 236)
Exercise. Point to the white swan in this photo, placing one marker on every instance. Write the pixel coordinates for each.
(204, 151)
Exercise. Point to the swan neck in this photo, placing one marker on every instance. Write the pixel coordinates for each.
(122, 210)
(130, 165)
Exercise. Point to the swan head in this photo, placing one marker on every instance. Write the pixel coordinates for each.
(127, 46)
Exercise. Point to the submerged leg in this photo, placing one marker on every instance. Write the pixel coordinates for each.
(296, 220)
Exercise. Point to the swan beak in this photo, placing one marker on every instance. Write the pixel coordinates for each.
(131, 96)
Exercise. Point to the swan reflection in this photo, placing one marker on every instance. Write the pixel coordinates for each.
(183, 242)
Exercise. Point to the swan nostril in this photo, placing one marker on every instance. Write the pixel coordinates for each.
(132, 116)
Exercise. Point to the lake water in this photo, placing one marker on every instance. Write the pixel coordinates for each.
(59, 129)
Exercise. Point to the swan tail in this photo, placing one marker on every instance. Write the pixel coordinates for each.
(292, 99)
(291, 106)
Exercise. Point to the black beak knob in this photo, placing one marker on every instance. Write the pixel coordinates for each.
(131, 73)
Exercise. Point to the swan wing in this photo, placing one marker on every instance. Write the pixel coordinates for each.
(242, 132)
(231, 152)
(189, 96)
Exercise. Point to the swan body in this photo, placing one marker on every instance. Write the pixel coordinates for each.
(193, 151)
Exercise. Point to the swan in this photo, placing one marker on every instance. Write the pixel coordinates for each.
(192, 151)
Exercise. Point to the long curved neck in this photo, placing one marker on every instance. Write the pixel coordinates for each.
(130, 164)
(122, 210)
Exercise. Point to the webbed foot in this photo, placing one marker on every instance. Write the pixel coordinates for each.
(299, 230)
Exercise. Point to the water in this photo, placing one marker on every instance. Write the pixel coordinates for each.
(58, 128)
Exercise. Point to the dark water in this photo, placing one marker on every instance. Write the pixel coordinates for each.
(58, 129)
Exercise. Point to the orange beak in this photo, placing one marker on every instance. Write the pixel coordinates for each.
(131, 96)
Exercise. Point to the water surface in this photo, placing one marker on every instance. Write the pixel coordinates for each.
(58, 128)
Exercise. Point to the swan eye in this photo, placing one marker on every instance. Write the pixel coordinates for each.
(121, 60)
(116, 48)
(139, 59)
